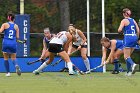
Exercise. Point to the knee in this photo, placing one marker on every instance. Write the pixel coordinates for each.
(67, 59)
(84, 57)
(125, 57)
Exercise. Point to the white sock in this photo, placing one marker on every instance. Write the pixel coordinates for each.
(69, 64)
(87, 64)
(42, 67)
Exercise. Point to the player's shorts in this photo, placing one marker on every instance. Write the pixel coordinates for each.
(75, 46)
(120, 47)
(9, 48)
(55, 48)
(130, 41)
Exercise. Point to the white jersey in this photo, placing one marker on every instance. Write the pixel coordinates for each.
(60, 38)
(78, 39)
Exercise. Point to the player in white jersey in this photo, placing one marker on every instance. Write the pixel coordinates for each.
(80, 44)
(59, 44)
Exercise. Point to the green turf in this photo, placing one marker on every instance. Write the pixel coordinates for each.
(61, 82)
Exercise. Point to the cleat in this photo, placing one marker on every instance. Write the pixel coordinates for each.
(128, 74)
(8, 74)
(18, 71)
(36, 72)
(115, 72)
(134, 66)
(71, 73)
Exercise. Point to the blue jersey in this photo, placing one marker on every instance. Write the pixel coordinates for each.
(48, 40)
(130, 36)
(131, 28)
(119, 44)
(9, 43)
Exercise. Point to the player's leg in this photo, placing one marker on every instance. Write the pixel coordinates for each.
(6, 63)
(85, 58)
(44, 58)
(129, 61)
(45, 64)
(117, 55)
(66, 58)
(70, 50)
(14, 61)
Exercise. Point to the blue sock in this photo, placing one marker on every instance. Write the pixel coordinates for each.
(6, 63)
(120, 68)
(128, 65)
(116, 64)
(15, 62)
(129, 60)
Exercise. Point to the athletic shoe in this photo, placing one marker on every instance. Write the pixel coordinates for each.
(18, 71)
(88, 72)
(36, 72)
(115, 72)
(128, 74)
(134, 68)
(71, 73)
(8, 75)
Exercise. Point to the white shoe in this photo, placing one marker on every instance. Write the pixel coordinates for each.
(36, 72)
(71, 72)
(134, 68)
(8, 74)
(128, 74)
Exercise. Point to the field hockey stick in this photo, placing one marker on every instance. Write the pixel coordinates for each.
(32, 62)
(96, 67)
(57, 62)
(81, 72)
(21, 41)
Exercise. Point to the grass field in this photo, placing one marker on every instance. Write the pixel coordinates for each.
(61, 82)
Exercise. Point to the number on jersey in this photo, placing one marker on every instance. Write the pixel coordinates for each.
(11, 32)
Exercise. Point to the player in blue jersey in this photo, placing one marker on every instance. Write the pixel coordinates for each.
(47, 37)
(9, 44)
(131, 33)
(116, 50)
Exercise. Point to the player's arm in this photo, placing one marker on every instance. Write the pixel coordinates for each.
(2, 28)
(137, 28)
(112, 52)
(120, 29)
(104, 55)
(66, 45)
(80, 33)
(44, 50)
(17, 31)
